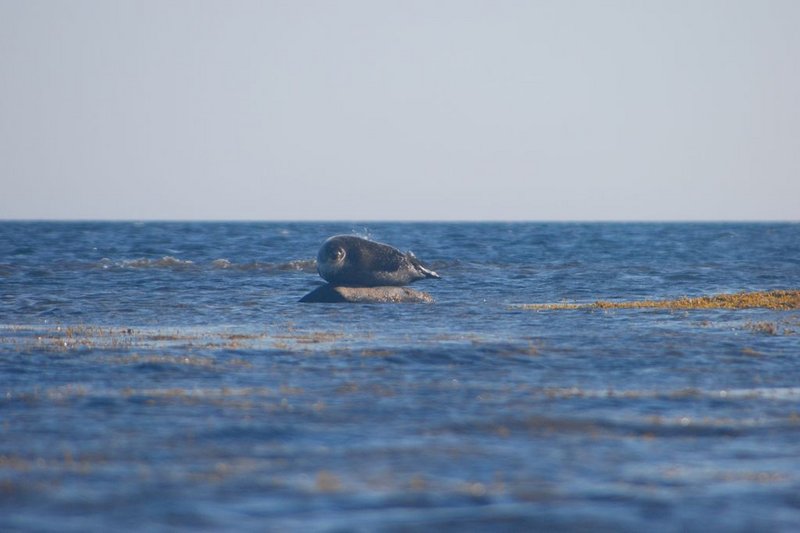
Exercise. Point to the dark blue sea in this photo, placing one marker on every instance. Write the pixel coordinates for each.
(163, 376)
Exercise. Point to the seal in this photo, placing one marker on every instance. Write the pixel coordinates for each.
(350, 261)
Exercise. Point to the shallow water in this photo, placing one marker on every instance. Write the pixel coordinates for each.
(163, 375)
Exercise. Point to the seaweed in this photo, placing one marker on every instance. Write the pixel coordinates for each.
(782, 300)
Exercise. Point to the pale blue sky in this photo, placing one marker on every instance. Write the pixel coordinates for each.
(403, 110)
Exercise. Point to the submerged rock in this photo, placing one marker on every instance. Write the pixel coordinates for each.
(376, 295)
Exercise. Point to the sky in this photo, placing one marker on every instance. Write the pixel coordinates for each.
(400, 110)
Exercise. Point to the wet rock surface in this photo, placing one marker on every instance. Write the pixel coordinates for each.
(332, 294)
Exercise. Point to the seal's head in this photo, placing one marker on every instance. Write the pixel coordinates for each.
(331, 258)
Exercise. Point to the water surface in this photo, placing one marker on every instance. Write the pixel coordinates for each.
(163, 375)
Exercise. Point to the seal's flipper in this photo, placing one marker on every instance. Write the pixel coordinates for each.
(425, 271)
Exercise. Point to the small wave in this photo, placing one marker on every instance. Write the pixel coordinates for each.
(221, 263)
(298, 265)
(757, 393)
(305, 265)
(164, 262)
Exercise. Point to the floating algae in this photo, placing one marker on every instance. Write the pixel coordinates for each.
(777, 300)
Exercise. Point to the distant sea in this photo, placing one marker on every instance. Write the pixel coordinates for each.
(163, 376)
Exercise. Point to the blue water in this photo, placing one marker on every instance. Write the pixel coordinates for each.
(163, 376)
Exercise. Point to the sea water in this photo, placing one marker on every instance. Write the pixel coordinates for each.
(164, 376)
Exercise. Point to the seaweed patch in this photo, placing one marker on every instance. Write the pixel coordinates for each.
(782, 300)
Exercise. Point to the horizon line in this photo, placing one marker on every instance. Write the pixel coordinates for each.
(403, 221)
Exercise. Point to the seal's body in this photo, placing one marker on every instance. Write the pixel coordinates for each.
(350, 261)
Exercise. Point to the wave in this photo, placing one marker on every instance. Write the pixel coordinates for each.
(175, 263)
(164, 262)
(755, 393)
(298, 265)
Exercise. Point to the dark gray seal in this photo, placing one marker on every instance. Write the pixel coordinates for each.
(349, 261)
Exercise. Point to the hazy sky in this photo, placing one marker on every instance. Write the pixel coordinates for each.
(427, 110)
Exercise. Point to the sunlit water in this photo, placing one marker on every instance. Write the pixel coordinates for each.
(164, 376)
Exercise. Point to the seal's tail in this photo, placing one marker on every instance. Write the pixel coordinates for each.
(422, 269)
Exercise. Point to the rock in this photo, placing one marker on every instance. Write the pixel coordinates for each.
(373, 295)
